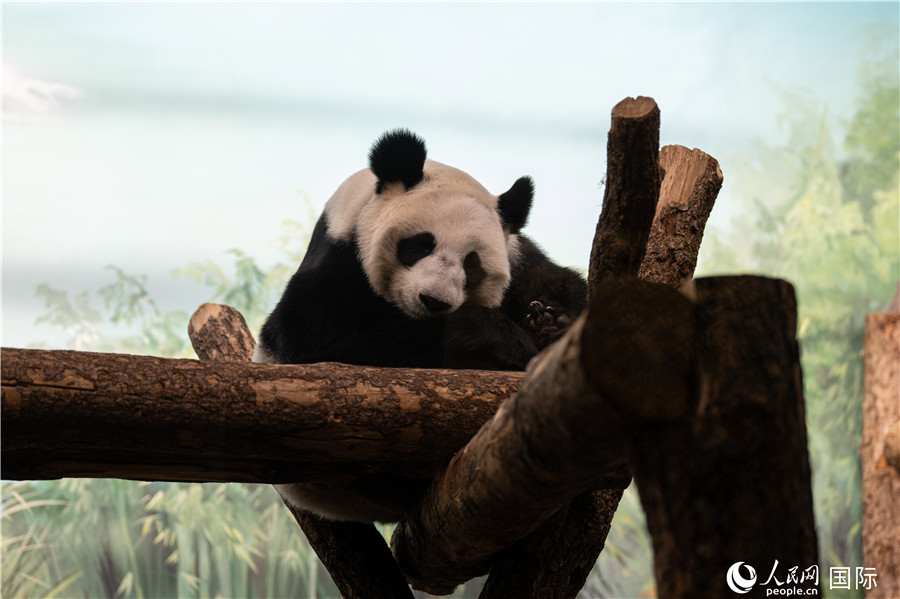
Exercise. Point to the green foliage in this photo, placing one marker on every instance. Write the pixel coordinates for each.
(114, 538)
(127, 305)
(77, 319)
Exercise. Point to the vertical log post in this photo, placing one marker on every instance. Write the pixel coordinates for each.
(880, 455)
(730, 480)
(355, 554)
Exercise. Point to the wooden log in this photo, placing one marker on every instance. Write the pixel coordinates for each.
(633, 180)
(565, 548)
(729, 481)
(86, 414)
(879, 453)
(689, 190)
(554, 439)
(355, 554)
(220, 334)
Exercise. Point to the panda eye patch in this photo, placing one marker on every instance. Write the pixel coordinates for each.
(474, 272)
(412, 249)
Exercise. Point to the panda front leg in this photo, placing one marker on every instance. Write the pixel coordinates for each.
(485, 339)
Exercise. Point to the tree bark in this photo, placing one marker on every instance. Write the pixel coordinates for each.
(689, 189)
(632, 191)
(728, 480)
(878, 453)
(355, 554)
(84, 414)
(220, 334)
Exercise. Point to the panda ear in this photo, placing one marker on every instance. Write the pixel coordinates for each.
(398, 156)
(515, 204)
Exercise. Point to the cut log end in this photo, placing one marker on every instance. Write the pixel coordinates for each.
(219, 333)
(635, 108)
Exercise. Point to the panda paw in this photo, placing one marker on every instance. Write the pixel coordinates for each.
(546, 323)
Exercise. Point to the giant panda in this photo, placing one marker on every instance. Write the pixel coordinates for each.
(414, 263)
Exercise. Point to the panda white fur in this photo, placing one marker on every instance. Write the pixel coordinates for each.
(414, 263)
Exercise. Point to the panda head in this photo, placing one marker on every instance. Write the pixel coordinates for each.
(431, 238)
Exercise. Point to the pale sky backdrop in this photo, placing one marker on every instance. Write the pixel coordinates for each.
(153, 135)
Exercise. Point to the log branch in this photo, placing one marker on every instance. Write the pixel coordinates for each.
(343, 420)
(355, 554)
(146, 418)
(632, 192)
(220, 334)
(689, 189)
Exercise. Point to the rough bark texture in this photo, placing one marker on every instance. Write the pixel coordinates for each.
(355, 554)
(108, 414)
(220, 334)
(689, 189)
(730, 480)
(878, 452)
(632, 191)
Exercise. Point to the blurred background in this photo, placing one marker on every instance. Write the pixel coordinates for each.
(157, 156)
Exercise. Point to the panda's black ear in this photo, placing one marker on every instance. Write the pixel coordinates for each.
(515, 204)
(398, 156)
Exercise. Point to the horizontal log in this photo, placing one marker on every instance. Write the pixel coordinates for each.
(83, 414)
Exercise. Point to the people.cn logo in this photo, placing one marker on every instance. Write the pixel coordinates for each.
(736, 580)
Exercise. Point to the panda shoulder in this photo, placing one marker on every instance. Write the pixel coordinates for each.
(346, 204)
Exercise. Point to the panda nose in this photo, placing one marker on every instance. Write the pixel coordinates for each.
(434, 305)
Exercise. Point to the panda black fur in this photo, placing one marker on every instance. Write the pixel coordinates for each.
(413, 263)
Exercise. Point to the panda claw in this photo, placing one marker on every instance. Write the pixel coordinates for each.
(542, 316)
